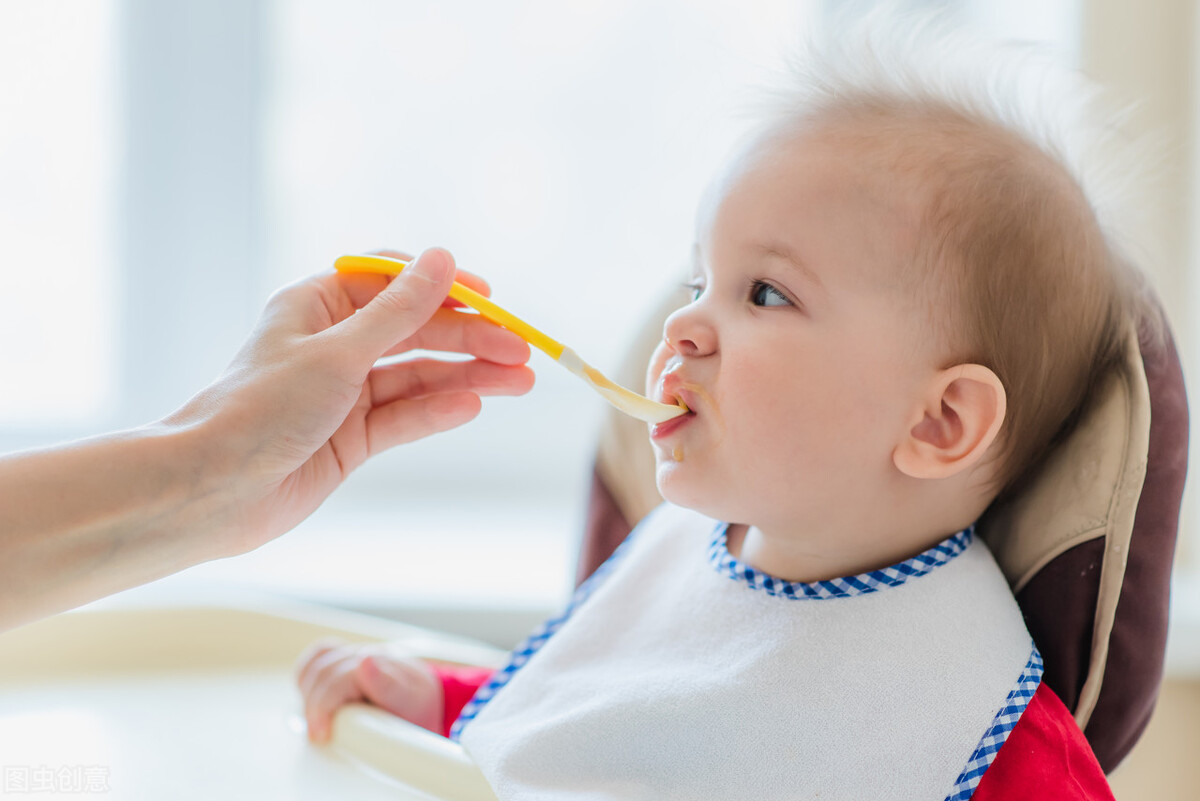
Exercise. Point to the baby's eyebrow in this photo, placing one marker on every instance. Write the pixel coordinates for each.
(782, 251)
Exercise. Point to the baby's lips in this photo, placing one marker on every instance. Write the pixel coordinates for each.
(687, 400)
(663, 391)
(671, 392)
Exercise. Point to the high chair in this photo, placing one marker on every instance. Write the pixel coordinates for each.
(1095, 524)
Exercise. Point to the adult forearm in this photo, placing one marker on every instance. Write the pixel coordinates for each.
(81, 521)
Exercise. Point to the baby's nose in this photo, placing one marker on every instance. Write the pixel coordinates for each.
(684, 347)
(689, 333)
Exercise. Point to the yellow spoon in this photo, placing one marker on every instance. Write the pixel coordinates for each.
(628, 401)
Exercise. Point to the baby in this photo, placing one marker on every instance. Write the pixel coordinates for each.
(901, 296)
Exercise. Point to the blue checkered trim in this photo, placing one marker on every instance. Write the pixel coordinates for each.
(1014, 706)
(533, 643)
(862, 584)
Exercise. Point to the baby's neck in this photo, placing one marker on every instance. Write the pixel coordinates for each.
(796, 559)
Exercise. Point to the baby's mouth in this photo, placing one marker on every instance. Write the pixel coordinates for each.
(679, 398)
(673, 389)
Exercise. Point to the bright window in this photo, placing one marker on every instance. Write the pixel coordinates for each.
(165, 166)
(57, 163)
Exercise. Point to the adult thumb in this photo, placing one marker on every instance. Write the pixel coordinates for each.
(405, 304)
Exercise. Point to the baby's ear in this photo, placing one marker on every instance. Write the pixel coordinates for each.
(957, 422)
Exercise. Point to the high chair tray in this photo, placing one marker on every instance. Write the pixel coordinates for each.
(200, 703)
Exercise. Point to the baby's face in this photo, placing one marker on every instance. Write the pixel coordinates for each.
(801, 352)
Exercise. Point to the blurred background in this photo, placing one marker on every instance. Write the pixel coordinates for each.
(164, 166)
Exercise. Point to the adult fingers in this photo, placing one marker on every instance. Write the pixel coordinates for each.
(452, 331)
(361, 287)
(472, 281)
(403, 421)
(421, 377)
(399, 311)
(462, 276)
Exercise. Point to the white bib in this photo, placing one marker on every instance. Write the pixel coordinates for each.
(683, 674)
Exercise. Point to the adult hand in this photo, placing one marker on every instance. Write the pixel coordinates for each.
(304, 403)
(301, 406)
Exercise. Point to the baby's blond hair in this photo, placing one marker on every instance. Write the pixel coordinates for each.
(1018, 255)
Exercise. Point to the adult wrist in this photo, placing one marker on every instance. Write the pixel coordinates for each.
(191, 510)
(209, 480)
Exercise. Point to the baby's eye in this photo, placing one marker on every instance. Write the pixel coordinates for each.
(696, 288)
(763, 294)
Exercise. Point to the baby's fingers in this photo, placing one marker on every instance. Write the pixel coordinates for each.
(403, 687)
(311, 660)
(334, 688)
(325, 676)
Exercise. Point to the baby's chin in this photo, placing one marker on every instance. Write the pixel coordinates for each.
(671, 485)
(681, 489)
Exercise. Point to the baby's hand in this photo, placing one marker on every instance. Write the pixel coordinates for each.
(332, 674)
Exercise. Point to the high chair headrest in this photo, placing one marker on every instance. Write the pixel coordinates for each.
(1094, 523)
(1086, 489)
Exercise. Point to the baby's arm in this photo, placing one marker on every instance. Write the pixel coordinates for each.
(331, 674)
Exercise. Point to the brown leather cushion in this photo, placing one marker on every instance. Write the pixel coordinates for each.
(1058, 585)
